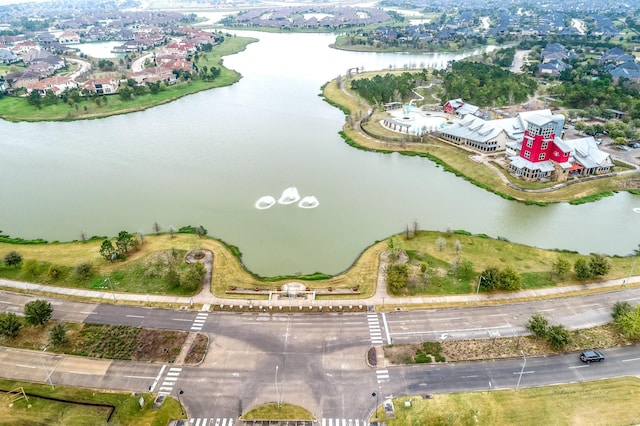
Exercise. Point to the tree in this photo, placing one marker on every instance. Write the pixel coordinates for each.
(191, 276)
(156, 227)
(393, 248)
(582, 269)
(55, 271)
(558, 336)
(510, 279)
(124, 241)
(38, 312)
(397, 276)
(441, 243)
(108, 251)
(561, 266)
(490, 278)
(10, 324)
(12, 259)
(599, 265)
(58, 334)
(35, 99)
(538, 325)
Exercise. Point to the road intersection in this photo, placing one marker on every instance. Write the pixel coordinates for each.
(320, 357)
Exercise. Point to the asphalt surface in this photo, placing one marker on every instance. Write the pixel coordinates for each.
(320, 358)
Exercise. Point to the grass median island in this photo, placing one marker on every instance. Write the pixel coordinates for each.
(457, 160)
(18, 109)
(603, 402)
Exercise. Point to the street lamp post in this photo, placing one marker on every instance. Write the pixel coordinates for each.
(180, 392)
(524, 362)
(47, 375)
(375, 411)
(277, 393)
(478, 287)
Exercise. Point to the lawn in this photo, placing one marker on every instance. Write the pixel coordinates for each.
(141, 272)
(70, 410)
(603, 402)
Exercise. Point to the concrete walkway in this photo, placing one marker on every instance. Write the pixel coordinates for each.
(380, 298)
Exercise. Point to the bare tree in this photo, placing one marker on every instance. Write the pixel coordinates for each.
(458, 246)
(441, 242)
(156, 227)
(83, 236)
(171, 231)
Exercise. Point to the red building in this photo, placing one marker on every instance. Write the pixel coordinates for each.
(539, 142)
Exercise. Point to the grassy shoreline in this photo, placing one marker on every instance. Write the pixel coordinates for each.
(133, 274)
(18, 110)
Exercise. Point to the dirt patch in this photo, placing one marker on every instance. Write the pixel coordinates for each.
(198, 349)
(158, 345)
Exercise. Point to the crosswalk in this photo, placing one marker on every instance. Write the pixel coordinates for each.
(374, 329)
(215, 421)
(344, 422)
(169, 381)
(382, 375)
(222, 421)
(198, 323)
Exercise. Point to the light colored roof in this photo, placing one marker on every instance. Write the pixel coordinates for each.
(521, 163)
(474, 129)
(585, 152)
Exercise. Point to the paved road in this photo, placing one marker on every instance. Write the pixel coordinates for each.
(320, 358)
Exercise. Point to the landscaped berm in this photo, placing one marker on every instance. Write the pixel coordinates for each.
(278, 411)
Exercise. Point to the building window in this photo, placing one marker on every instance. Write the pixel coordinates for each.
(529, 143)
(541, 156)
(527, 154)
(545, 145)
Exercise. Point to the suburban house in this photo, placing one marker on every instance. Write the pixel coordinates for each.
(69, 38)
(7, 57)
(57, 85)
(154, 75)
(553, 68)
(102, 86)
(459, 107)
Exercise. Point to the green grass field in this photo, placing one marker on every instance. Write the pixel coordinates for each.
(603, 402)
(71, 411)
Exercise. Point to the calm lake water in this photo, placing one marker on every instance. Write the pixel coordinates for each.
(207, 158)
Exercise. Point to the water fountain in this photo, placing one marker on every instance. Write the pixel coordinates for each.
(265, 202)
(309, 202)
(289, 196)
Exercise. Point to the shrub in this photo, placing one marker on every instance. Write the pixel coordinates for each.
(582, 269)
(54, 272)
(12, 259)
(538, 325)
(10, 324)
(84, 270)
(58, 334)
(30, 268)
(558, 337)
(619, 309)
(599, 265)
(38, 312)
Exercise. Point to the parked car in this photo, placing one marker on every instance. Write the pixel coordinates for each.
(623, 148)
(591, 356)
(634, 145)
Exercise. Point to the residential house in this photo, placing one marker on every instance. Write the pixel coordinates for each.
(628, 70)
(553, 68)
(69, 37)
(102, 86)
(7, 56)
(57, 85)
(617, 56)
(152, 75)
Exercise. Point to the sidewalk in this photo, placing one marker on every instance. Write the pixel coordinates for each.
(380, 298)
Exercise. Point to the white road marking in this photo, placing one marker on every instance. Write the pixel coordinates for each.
(135, 316)
(25, 366)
